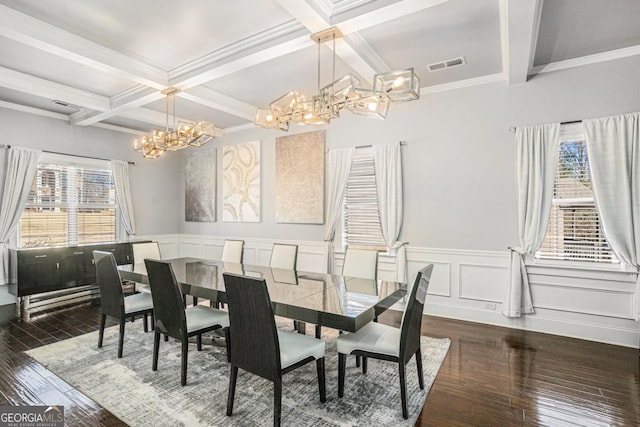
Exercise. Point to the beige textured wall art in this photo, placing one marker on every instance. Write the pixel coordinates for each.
(200, 186)
(241, 182)
(300, 178)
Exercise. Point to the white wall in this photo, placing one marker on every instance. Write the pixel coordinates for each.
(154, 183)
(460, 196)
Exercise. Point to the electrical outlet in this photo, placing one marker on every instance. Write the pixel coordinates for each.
(490, 306)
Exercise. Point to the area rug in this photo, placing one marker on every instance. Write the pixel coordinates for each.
(129, 389)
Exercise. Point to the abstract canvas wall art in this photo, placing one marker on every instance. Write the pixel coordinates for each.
(200, 186)
(300, 178)
(241, 182)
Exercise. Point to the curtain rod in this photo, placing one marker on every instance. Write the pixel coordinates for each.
(67, 154)
(513, 129)
(402, 144)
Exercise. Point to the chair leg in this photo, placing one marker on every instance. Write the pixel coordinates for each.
(146, 325)
(232, 389)
(403, 389)
(318, 331)
(321, 381)
(156, 350)
(342, 364)
(277, 401)
(103, 320)
(364, 365)
(357, 361)
(121, 337)
(153, 322)
(419, 365)
(199, 342)
(166, 338)
(185, 352)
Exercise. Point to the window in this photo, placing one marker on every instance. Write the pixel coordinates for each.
(69, 203)
(361, 227)
(574, 232)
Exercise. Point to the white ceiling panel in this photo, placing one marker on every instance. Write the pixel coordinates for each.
(261, 84)
(163, 33)
(115, 56)
(467, 28)
(574, 28)
(34, 101)
(191, 111)
(35, 62)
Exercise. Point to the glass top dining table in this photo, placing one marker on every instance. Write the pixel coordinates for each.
(334, 301)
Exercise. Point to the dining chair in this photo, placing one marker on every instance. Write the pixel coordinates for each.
(255, 345)
(173, 319)
(284, 256)
(140, 252)
(362, 263)
(384, 342)
(112, 300)
(233, 251)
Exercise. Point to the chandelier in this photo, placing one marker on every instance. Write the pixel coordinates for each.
(176, 137)
(344, 93)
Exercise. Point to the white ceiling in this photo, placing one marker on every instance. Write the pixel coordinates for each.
(111, 58)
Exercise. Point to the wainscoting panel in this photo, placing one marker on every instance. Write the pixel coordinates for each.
(470, 285)
(482, 282)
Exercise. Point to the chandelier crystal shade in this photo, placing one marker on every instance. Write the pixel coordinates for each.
(345, 93)
(180, 135)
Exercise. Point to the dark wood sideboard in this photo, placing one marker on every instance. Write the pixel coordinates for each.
(37, 270)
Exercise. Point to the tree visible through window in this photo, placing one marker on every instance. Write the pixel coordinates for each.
(574, 231)
(69, 203)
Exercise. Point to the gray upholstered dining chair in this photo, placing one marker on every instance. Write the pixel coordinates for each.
(362, 263)
(112, 300)
(141, 251)
(385, 342)
(233, 251)
(173, 319)
(284, 256)
(255, 345)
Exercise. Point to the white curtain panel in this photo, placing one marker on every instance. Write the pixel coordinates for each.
(613, 146)
(22, 165)
(536, 163)
(123, 194)
(338, 171)
(388, 163)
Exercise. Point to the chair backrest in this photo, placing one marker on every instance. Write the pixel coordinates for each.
(108, 278)
(412, 320)
(361, 263)
(145, 250)
(253, 342)
(168, 302)
(232, 251)
(284, 256)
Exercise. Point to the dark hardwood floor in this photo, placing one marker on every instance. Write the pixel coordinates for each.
(492, 376)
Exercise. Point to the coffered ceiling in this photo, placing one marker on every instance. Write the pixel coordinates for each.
(108, 60)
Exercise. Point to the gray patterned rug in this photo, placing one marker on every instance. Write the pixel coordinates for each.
(140, 397)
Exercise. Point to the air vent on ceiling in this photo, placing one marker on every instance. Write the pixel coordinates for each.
(446, 64)
(65, 104)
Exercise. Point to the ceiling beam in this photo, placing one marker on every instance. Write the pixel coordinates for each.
(27, 83)
(48, 38)
(523, 26)
(155, 118)
(219, 101)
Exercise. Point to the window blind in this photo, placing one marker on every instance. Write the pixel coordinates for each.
(69, 203)
(574, 231)
(361, 215)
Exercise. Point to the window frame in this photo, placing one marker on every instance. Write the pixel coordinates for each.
(574, 132)
(381, 246)
(64, 161)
